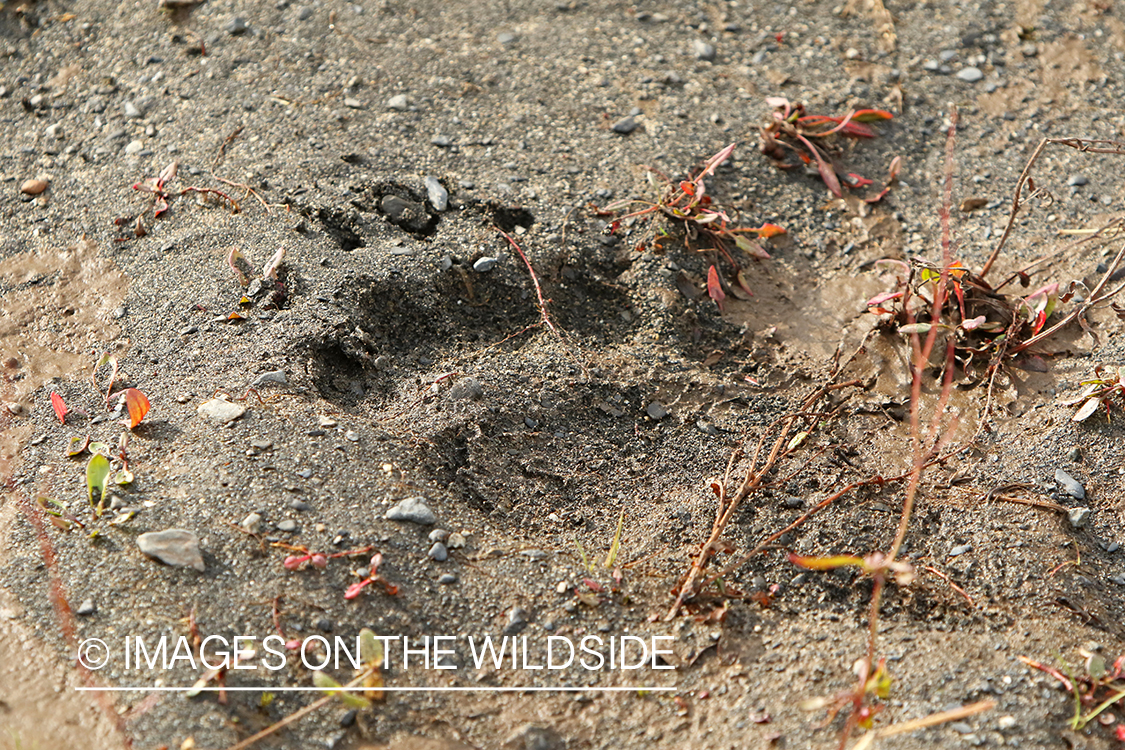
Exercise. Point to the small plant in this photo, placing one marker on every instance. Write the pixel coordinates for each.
(1096, 690)
(1100, 390)
(791, 131)
(161, 194)
(315, 559)
(689, 203)
(372, 577)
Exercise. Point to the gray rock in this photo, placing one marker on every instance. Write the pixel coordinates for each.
(251, 523)
(175, 547)
(261, 444)
(517, 621)
(438, 535)
(441, 141)
(466, 389)
(55, 131)
(1070, 485)
(506, 37)
(960, 727)
(237, 26)
(625, 125)
(702, 50)
(793, 501)
(532, 737)
(405, 213)
(485, 263)
(970, 75)
(221, 411)
(289, 526)
(1078, 180)
(438, 552)
(131, 111)
(656, 410)
(86, 608)
(960, 550)
(351, 436)
(448, 579)
(352, 102)
(399, 102)
(438, 195)
(273, 376)
(414, 510)
(134, 147)
(1079, 517)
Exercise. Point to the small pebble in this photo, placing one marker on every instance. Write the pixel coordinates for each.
(1078, 517)
(175, 547)
(506, 37)
(438, 552)
(792, 501)
(324, 625)
(351, 436)
(455, 541)
(961, 727)
(352, 102)
(702, 50)
(399, 102)
(441, 141)
(413, 510)
(237, 26)
(261, 444)
(274, 376)
(221, 411)
(625, 125)
(134, 147)
(960, 550)
(1077, 180)
(299, 505)
(86, 608)
(348, 718)
(447, 579)
(438, 195)
(656, 410)
(33, 187)
(485, 264)
(438, 535)
(288, 526)
(131, 110)
(1006, 722)
(327, 422)
(251, 523)
(531, 423)
(970, 75)
(1070, 485)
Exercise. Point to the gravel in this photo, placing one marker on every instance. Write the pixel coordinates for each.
(413, 510)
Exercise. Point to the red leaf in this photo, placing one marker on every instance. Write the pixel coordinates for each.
(60, 407)
(687, 187)
(137, 405)
(827, 173)
(769, 230)
(856, 130)
(714, 288)
(355, 588)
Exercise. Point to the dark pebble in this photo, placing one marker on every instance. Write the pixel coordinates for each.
(448, 579)
(324, 625)
(625, 125)
(349, 718)
(237, 26)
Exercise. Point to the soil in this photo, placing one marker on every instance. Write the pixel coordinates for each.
(418, 362)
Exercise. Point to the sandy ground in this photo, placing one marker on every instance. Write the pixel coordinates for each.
(400, 351)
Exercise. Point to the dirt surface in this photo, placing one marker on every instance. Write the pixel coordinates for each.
(404, 355)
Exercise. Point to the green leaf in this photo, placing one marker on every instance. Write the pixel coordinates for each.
(123, 477)
(78, 445)
(99, 447)
(370, 648)
(97, 472)
(915, 328)
(330, 686)
(611, 558)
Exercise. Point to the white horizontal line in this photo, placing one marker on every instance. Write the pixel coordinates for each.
(264, 689)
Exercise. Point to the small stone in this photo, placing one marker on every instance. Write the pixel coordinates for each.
(702, 50)
(441, 141)
(237, 26)
(288, 526)
(273, 376)
(221, 411)
(517, 621)
(961, 727)
(438, 552)
(251, 523)
(1029, 49)
(405, 213)
(970, 75)
(55, 131)
(1070, 485)
(327, 422)
(448, 579)
(707, 428)
(134, 148)
(535, 555)
(532, 424)
(188, 330)
(1006, 722)
(175, 547)
(563, 587)
(1075, 453)
(399, 102)
(131, 110)
(656, 410)
(506, 37)
(455, 541)
(466, 389)
(86, 608)
(33, 187)
(625, 125)
(261, 444)
(352, 102)
(438, 195)
(438, 535)
(485, 263)
(351, 436)
(960, 550)
(532, 737)
(299, 505)
(1078, 180)
(414, 510)
(792, 501)
(1078, 517)
(348, 718)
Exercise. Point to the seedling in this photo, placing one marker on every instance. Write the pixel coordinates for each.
(791, 131)
(158, 188)
(372, 577)
(688, 203)
(1096, 690)
(270, 287)
(315, 559)
(1100, 390)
